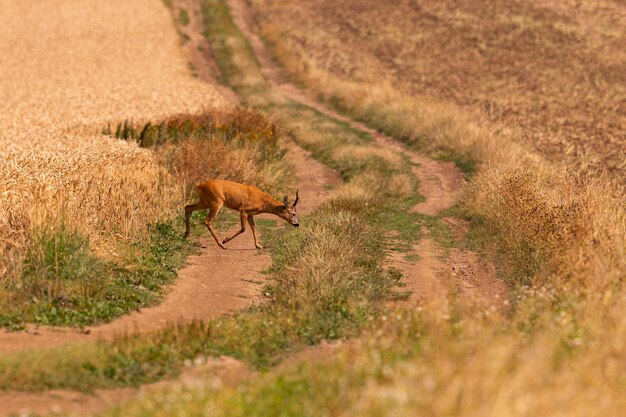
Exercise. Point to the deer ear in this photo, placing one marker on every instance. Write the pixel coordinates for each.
(286, 200)
(296, 200)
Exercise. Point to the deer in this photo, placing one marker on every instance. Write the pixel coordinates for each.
(247, 199)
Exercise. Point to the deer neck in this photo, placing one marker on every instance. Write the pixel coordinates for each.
(271, 205)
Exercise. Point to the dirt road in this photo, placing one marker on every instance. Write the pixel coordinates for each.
(219, 282)
(441, 183)
(213, 283)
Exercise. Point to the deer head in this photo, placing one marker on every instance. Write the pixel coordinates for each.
(289, 211)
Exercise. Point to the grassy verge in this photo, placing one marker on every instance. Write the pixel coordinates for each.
(325, 282)
(63, 281)
(542, 214)
(553, 355)
(407, 365)
(63, 284)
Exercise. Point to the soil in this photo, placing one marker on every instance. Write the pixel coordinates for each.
(423, 278)
(197, 48)
(213, 283)
(549, 71)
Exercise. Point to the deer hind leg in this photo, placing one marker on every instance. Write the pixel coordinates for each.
(244, 217)
(190, 209)
(253, 227)
(212, 213)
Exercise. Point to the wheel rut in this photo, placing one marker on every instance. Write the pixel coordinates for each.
(214, 283)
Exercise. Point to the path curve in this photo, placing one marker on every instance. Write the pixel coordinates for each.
(213, 283)
(441, 183)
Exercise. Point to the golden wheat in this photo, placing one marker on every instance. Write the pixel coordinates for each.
(69, 69)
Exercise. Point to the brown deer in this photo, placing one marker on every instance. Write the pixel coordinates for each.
(246, 199)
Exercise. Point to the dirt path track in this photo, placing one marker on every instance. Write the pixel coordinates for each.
(218, 282)
(213, 283)
(441, 183)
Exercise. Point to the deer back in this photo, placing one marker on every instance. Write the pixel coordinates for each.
(235, 196)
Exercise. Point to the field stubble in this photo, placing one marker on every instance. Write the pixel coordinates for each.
(552, 72)
(550, 215)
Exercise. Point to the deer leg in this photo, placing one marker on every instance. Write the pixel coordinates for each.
(244, 217)
(190, 209)
(212, 213)
(253, 227)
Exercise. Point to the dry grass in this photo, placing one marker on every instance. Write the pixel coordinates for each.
(238, 145)
(528, 200)
(70, 70)
(107, 193)
(553, 71)
(365, 154)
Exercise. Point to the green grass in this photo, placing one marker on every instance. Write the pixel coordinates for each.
(64, 284)
(414, 363)
(183, 17)
(325, 299)
(328, 386)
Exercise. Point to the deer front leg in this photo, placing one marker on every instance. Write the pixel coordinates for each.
(253, 227)
(244, 217)
(212, 213)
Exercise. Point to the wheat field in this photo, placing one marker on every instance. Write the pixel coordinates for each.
(68, 70)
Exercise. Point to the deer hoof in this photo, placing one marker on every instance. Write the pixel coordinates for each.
(259, 247)
(186, 235)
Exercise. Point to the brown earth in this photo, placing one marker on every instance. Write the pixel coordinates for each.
(231, 278)
(214, 283)
(197, 48)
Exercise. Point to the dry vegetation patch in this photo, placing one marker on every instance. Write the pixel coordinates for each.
(553, 71)
(545, 213)
(69, 68)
